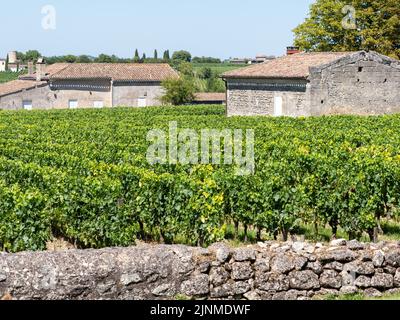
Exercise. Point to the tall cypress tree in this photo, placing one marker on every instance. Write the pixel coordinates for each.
(155, 54)
(136, 58)
(166, 55)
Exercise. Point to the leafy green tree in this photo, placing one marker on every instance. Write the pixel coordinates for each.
(31, 55)
(351, 25)
(186, 69)
(144, 57)
(178, 91)
(155, 54)
(70, 58)
(104, 58)
(182, 55)
(205, 73)
(83, 59)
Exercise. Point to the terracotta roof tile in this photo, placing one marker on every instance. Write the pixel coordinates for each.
(117, 71)
(292, 66)
(17, 86)
(210, 96)
(49, 71)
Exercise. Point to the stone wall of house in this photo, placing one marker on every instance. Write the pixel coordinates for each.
(368, 85)
(292, 270)
(85, 92)
(58, 96)
(256, 97)
(128, 94)
(41, 97)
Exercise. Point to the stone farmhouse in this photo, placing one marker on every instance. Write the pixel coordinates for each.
(84, 85)
(314, 84)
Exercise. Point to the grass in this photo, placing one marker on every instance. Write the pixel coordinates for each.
(361, 297)
(9, 76)
(391, 232)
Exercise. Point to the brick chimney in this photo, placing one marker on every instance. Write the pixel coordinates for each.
(30, 68)
(292, 50)
(40, 69)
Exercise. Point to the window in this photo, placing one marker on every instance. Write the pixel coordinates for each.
(360, 69)
(73, 104)
(27, 104)
(98, 104)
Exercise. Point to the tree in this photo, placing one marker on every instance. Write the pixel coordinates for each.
(182, 56)
(155, 54)
(144, 57)
(7, 60)
(166, 55)
(136, 57)
(186, 69)
(205, 73)
(31, 55)
(178, 91)
(103, 58)
(70, 58)
(83, 59)
(344, 25)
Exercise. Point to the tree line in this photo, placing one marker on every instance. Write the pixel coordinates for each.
(166, 57)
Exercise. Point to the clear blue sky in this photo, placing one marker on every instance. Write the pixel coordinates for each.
(220, 28)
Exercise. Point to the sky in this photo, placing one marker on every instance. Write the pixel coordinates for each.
(217, 28)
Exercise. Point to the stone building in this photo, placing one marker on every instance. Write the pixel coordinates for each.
(91, 85)
(314, 84)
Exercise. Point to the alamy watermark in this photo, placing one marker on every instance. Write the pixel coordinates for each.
(349, 22)
(211, 146)
(49, 19)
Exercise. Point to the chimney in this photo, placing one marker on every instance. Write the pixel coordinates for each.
(40, 69)
(30, 68)
(292, 50)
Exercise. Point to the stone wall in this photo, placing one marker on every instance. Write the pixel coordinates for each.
(364, 83)
(266, 271)
(367, 84)
(256, 97)
(40, 96)
(127, 94)
(86, 92)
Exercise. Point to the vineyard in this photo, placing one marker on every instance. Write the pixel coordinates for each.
(83, 175)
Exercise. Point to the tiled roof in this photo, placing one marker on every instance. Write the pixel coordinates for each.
(17, 86)
(49, 71)
(210, 96)
(117, 71)
(292, 66)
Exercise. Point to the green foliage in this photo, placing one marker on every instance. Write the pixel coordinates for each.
(31, 55)
(206, 60)
(377, 27)
(178, 91)
(166, 55)
(182, 56)
(136, 58)
(9, 76)
(83, 175)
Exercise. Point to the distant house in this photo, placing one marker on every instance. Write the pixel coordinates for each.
(2, 65)
(91, 85)
(209, 98)
(261, 59)
(313, 84)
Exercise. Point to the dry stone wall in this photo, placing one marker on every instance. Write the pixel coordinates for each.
(280, 271)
